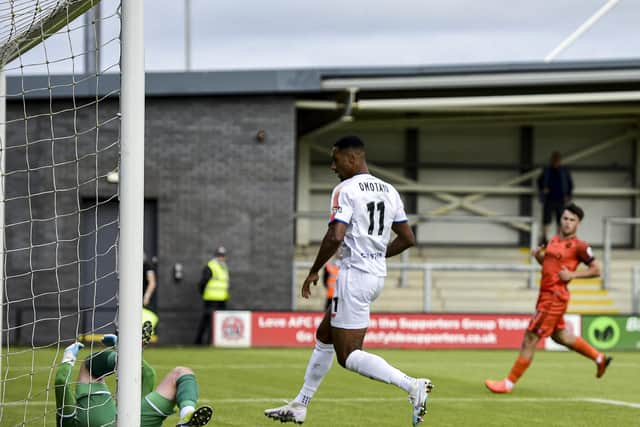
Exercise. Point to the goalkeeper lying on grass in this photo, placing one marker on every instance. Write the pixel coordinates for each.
(92, 405)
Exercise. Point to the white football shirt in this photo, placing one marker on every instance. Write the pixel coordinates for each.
(369, 207)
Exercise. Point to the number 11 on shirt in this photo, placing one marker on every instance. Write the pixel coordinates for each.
(371, 207)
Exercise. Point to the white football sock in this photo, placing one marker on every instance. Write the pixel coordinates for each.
(187, 409)
(376, 367)
(318, 366)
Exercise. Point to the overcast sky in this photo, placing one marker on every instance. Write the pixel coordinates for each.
(256, 34)
(293, 33)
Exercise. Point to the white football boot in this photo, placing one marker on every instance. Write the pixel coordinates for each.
(292, 412)
(418, 398)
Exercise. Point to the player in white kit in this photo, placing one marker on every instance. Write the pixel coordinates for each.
(364, 211)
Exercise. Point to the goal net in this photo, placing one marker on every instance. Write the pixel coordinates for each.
(59, 228)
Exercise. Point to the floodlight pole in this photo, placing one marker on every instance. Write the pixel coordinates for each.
(187, 35)
(131, 193)
(92, 39)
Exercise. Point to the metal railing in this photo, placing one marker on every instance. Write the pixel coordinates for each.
(635, 290)
(607, 222)
(517, 222)
(427, 269)
(427, 278)
(513, 220)
(430, 267)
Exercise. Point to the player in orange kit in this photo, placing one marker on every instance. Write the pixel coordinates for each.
(559, 261)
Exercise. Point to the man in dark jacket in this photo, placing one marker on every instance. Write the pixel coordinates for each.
(556, 188)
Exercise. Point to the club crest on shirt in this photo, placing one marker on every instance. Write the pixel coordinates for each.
(568, 245)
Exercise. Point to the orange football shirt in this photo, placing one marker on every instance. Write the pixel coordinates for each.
(558, 254)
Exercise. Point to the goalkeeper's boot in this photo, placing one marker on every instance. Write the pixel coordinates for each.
(602, 366)
(71, 352)
(292, 412)
(147, 332)
(418, 397)
(498, 386)
(199, 417)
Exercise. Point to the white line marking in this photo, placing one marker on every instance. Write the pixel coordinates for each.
(488, 399)
(613, 402)
(405, 365)
(302, 366)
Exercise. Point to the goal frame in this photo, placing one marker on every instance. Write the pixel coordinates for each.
(131, 191)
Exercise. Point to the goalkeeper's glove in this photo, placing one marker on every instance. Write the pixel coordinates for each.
(71, 353)
(110, 340)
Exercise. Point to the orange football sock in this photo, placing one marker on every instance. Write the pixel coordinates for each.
(521, 364)
(583, 347)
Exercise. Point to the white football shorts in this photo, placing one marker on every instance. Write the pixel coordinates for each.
(355, 291)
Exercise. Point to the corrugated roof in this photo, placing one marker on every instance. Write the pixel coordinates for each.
(316, 80)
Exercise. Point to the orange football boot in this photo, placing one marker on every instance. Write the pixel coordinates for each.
(602, 366)
(497, 386)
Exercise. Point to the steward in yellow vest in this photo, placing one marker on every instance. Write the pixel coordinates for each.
(214, 288)
(217, 287)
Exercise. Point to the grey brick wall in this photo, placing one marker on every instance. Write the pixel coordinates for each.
(214, 185)
(51, 167)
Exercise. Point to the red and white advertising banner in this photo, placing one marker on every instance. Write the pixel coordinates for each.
(284, 329)
(297, 329)
(232, 328)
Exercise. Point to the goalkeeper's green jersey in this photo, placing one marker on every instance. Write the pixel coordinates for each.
(91, 405)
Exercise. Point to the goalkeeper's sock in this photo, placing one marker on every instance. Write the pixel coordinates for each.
(101, 363)
(521, 364)
(583, 347)
(186, 392)
(110, 340)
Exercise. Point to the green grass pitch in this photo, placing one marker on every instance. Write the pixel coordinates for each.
(559, 389)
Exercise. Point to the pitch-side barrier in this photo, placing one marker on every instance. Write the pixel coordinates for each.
(255, 329)
(428, 269)
(635, 290)
(607, 223)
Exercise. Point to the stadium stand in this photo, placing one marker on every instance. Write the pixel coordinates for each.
(490, 292)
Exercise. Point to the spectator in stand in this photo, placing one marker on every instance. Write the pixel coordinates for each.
(556, 189)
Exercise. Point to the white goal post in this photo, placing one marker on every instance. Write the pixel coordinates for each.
(131, 211)
(61, 134)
